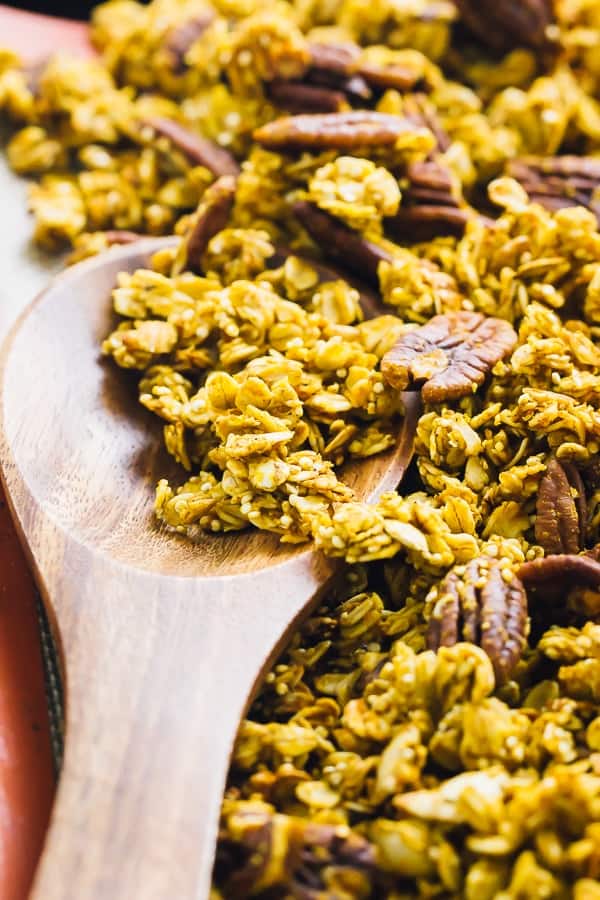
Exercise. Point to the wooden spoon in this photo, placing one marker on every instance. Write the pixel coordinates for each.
(162, 641)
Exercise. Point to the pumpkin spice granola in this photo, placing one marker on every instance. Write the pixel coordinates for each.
(388, 221)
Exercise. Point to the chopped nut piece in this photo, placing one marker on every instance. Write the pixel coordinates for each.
(449, 356)
(476, 603)
(559, 181)
(211, 218)
(340, 242)
(504, 24)
(561, 519)
(299, 97)
(200, 150)
(339, 131)
(560, 568)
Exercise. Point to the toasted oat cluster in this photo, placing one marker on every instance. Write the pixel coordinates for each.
(388, 230)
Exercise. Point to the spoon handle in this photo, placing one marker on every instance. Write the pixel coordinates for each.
(159, 671)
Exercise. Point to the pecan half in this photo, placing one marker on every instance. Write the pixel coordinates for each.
(394, 76)
(431, 204)
(305, 98)
(561, 511)
(332, 66)
(211, 218)
(180, 38)
(198, 149)
(477, 603)
(556, 182)
(340, 242)
(335, 131)
(335, 59)
(449, 356)
(341, 61)
(565, 569)
(506, 24)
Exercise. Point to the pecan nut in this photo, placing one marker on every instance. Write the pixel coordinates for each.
(122, 236)
(561, 512)
(564, 569)
(557, 182)
(449, 357)
(298, 97)
(181, 37)
(334, 131)
(198, 149)
(432, 204)
(211, 218)
(505, 24)
(340, 242)
(479, 604)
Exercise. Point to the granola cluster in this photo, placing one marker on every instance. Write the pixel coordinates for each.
(387, 218)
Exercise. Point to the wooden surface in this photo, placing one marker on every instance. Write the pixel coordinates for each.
(162, 641)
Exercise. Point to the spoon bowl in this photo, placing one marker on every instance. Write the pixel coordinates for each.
(162, 641)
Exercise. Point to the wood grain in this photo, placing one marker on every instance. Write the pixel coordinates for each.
(162, 641)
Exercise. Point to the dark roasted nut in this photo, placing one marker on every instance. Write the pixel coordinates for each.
(481, 604)
(449, 356)
(297, 851)
(432, 204)
(341, 243)
(422, 222)
(305, 98)
(334, 58)
(505, 24)
(565, 569)
(331, 61)
(199, 150)
(394, 77)
(559, 181)
(211, 217)
(560, 509)
(336, 131)
(180, 38)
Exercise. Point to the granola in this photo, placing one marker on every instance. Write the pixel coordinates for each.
(386, 221)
